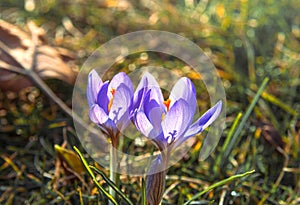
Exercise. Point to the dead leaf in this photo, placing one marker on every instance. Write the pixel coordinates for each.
(271, 134)
(15, 54)
(70, 158)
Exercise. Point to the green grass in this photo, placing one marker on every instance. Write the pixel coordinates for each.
(248, 41)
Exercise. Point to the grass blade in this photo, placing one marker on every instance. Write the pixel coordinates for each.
(235, 138)
(112, 184)
(220, 159)
(85, 164)
(220, 183)
(279, 103)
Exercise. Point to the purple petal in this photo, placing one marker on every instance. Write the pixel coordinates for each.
(139, 93)
(147, 83)
(184, 89)
(205, 120)
(94, 84)
(150, 101)
(156, 95)
(98, 115)
(102, 98)
(177, 120)
(121, 103)
(143, 124)
(153, 111)
(159, 140)
(138, 99)
(155, 117)
(120, 78)
(142, 84)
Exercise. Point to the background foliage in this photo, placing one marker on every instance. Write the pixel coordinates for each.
(247, 40)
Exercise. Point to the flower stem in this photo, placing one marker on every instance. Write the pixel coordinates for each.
(112, 169)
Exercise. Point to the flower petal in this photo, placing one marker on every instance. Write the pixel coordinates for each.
(184, 89)
(159, 140)
(94, 84)
(156, 95)
(138, 100)
(117, 80)
(153, 85)
(147, 83)
(98, 115)
(155, 117)
(102, 98)
(176, 121)
(205, 120)
(149, 104)
(120, 105)
(143, 124)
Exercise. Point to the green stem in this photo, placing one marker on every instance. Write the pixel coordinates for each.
(112, 169)
(144, 201)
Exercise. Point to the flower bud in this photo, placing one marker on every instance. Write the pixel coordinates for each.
(155, 182)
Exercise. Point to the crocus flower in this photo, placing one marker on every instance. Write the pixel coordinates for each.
(110, 102)
(169, 123)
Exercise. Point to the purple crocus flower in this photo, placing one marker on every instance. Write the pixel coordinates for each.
(110, 102)
(169, 123)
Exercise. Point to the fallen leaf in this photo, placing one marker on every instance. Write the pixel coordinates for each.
(271, 134)
(16, 53)
(71, 158)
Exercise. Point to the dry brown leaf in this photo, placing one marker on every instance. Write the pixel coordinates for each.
(70, 157)
(271, 134)
(15, 51)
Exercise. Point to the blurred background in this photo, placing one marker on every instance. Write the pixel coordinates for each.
(43, 44)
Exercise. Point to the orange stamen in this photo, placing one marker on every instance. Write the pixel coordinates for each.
(113, 91)
(167, 103)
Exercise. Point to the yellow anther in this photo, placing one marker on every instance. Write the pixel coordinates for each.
(113, 91)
